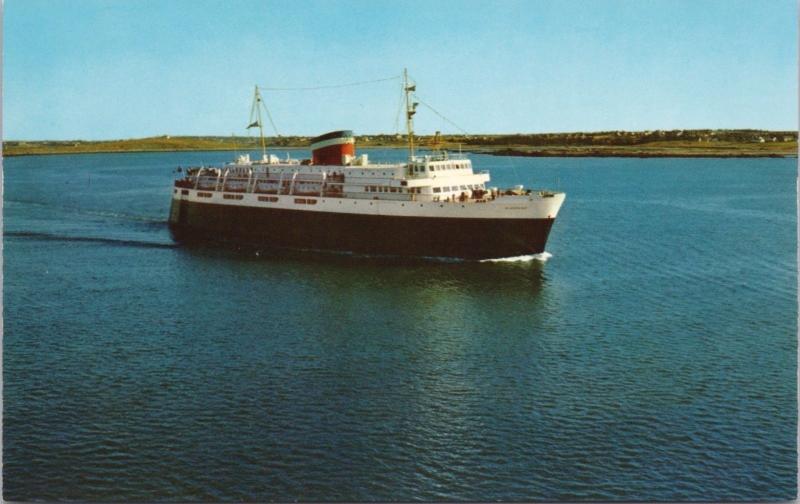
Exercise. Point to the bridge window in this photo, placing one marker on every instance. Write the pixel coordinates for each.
(437, 189)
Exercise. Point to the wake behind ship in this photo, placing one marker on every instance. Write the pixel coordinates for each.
(433, 205)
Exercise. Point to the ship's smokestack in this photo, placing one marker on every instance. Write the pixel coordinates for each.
(334, 148)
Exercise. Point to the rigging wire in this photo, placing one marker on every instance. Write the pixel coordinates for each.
(314, 88)
(359, 83)
(270, 117)
(416, 97)
(332, 86)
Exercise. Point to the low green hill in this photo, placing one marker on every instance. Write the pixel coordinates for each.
(659, 143)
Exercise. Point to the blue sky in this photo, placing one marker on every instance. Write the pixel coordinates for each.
(85, 69)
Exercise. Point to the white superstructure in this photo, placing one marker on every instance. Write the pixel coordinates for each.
(429, 185)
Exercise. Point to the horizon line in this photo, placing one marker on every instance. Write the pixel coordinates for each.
(403, 134)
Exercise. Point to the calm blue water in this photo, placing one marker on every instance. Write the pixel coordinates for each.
(653, 357)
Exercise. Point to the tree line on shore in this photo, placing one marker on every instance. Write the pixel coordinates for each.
(691, 139)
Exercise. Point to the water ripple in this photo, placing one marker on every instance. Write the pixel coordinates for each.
(652, 358)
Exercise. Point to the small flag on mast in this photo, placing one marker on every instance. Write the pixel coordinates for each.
(253, 125)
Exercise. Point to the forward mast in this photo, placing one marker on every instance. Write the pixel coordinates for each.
(411, 109)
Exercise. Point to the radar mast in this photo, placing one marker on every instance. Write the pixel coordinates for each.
(255, 120)
(411, 109)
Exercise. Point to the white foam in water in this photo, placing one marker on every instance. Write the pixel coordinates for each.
(544, 256)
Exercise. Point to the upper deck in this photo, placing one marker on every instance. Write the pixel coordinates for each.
(438, 177)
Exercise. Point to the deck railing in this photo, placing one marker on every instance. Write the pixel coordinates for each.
(325, 186)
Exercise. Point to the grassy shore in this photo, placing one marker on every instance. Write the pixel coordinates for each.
(674, 143)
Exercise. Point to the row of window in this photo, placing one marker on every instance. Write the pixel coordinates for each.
(301, 201)
(456, 166)
(411, 190)
(467, 187)
(382, 189)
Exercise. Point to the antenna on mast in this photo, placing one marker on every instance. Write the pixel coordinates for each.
(255, 119)
(411, 109)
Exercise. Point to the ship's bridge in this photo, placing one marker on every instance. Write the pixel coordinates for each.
(439, 165)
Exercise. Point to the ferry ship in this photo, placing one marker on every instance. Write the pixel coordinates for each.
(432, 205)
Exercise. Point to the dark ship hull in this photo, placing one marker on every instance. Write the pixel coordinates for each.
(467, 238)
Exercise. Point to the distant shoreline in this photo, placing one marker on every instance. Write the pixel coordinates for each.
(543, 154)
(647, 144)
(635, 153)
